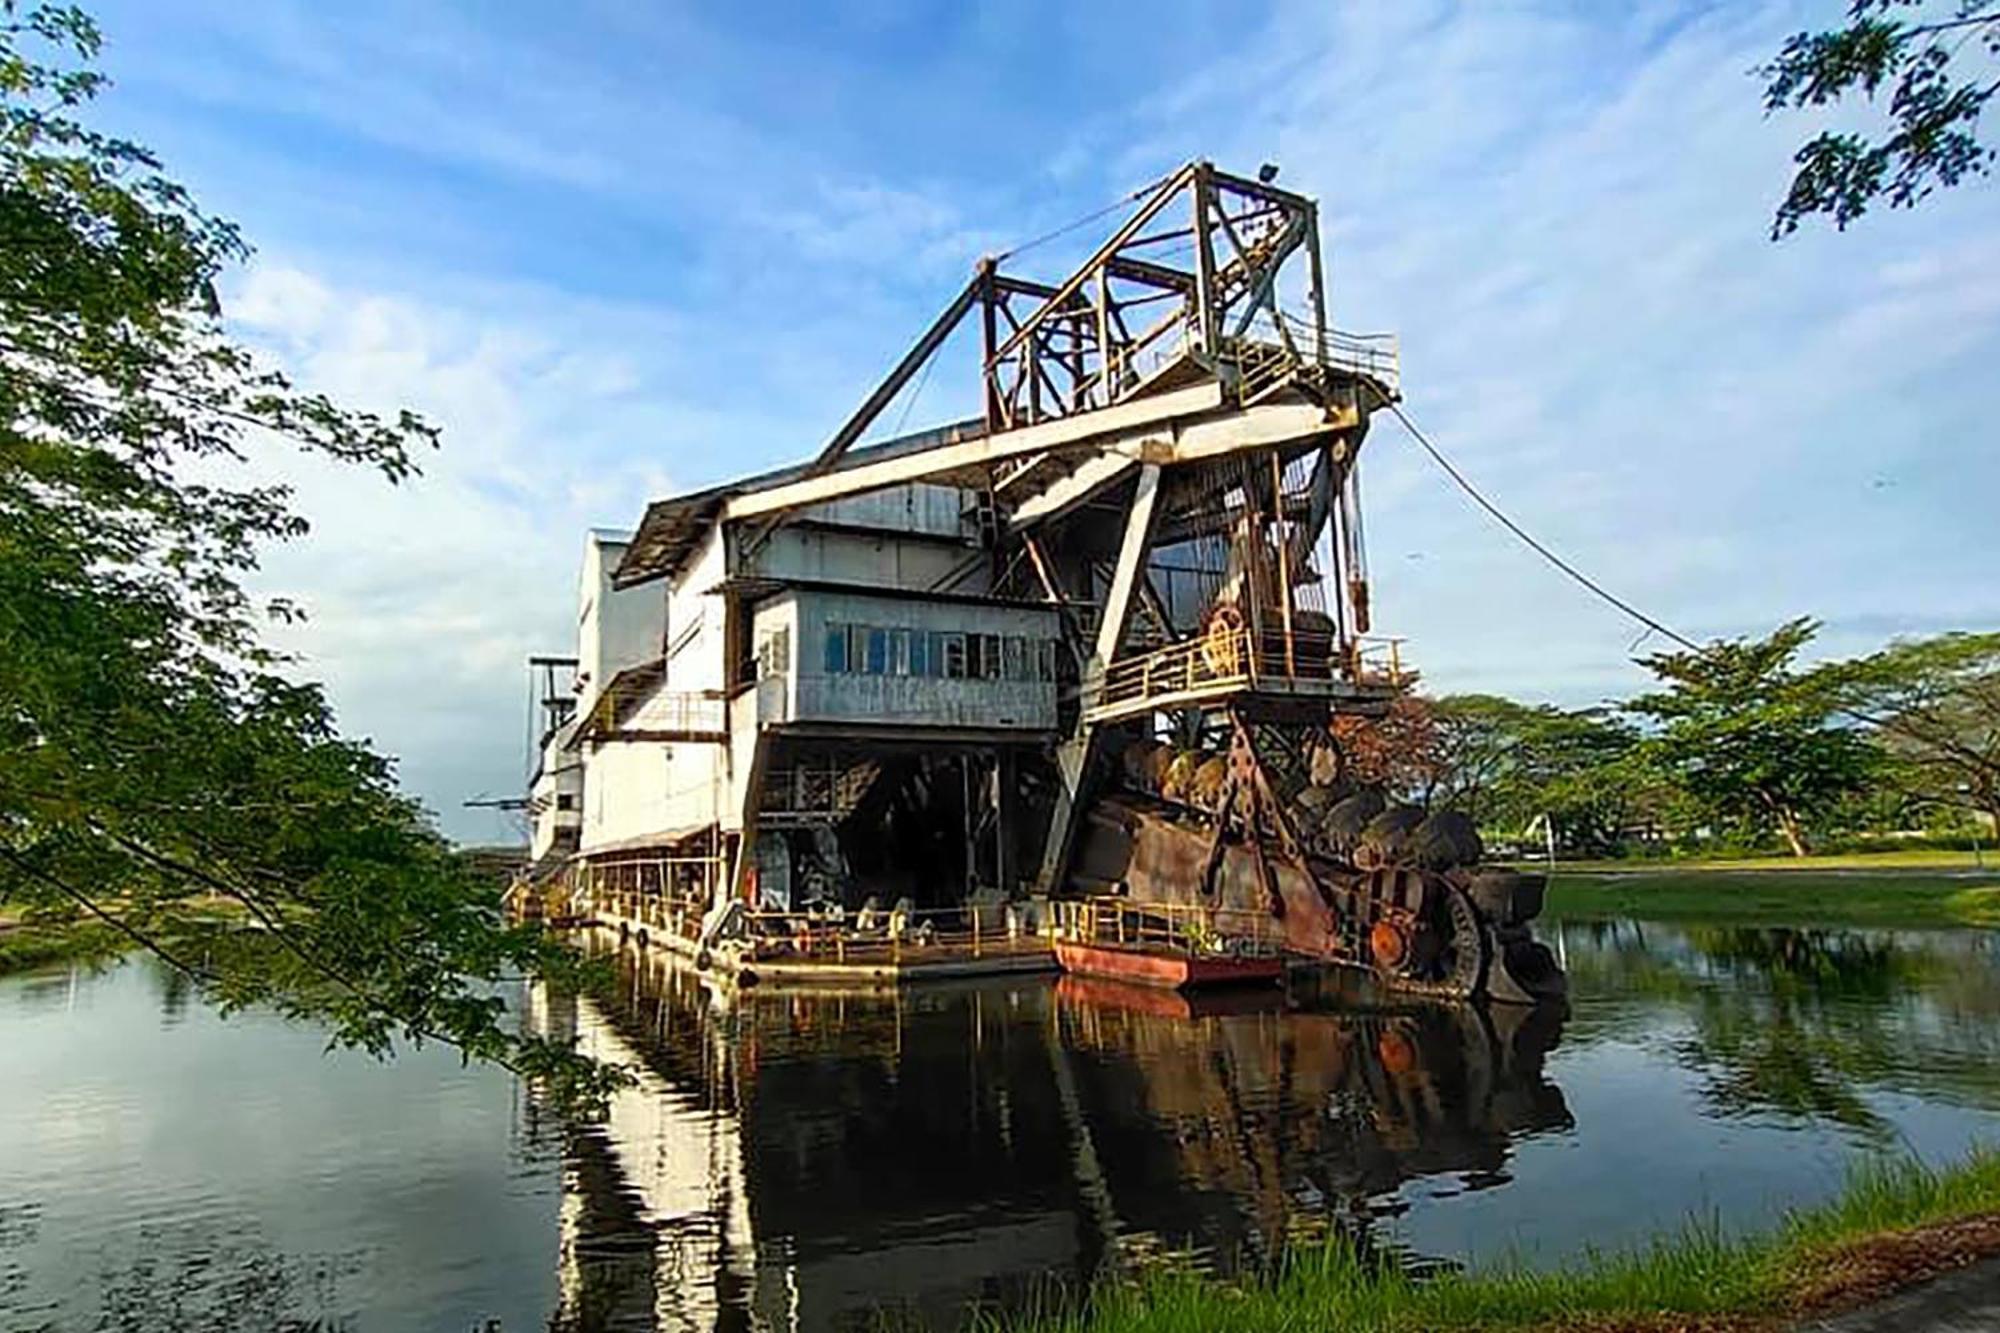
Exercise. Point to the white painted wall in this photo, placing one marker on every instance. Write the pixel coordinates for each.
(615, 629)
(645, 789)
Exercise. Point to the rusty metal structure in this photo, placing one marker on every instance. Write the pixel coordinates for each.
(1163, 478)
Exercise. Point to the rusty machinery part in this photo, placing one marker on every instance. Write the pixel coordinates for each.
(1210, 779)
(1390, 941)
(1446, 840)
(1387, 838)
(1139, 764)
(1341, 828)
(1461, 969)
(1222, 640)
(1423, 932)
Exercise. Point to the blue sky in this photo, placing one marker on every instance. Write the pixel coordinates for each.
(618, 249)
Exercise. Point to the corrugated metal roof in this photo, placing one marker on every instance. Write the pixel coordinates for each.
(673, 527)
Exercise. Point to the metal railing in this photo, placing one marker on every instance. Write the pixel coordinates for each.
(1376, 355)
(1377, 659)
(1220, 662)
(1212, 661)
(1193, 929)
(1270, 348)
(662, 913)
(893, 934)
(685, 714)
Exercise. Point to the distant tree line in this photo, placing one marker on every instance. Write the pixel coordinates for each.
(1739, 746)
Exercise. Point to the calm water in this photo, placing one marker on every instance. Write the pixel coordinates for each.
(796, 1162)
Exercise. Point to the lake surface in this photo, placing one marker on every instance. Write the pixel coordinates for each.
(802, 1161)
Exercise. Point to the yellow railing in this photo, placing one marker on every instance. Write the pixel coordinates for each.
(1262, 356)
(1189, 928)
(1222, 661)
(1212, 660)
(1378, 660)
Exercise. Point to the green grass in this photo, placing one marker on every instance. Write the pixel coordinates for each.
(1698, 1272)
(28, 946)
(1794, 898)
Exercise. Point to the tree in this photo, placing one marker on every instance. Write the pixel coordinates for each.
(1507, 764)
(1935, 704)
(1753, 741)
(1938, 63)
(154, 755)
(1397, 752)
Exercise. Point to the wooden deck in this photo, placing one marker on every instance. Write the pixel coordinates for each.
(825, 959)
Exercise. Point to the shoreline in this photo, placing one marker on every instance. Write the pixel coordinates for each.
(1806, 898)
(1895, 1225)
(25, 947)
(1933, 861)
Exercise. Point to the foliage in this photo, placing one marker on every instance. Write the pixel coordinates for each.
(1397, 752)
(1935, 703)
(1897, 748)
(151, 748)
(1510, 764)
(1753, 741)
(1936, 61)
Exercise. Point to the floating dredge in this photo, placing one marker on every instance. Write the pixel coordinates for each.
(1072, 674)
(1281, 853)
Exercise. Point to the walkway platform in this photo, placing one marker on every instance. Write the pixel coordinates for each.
(818, 956)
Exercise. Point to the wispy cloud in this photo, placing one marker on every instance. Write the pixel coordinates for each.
(649, 247)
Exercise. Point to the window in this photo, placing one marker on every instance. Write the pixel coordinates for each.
(836, 650)
(920, 653)
(1045, 660)
(954, 656)
(876, 662)
(1017, 658)
(991, 665)
(774, 653)
(565, 800)
(899, 652)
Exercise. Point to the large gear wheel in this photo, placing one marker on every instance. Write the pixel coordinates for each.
(1461, 963)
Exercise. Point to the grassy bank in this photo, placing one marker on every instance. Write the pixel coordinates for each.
(1893, 1223)
(1893, 899)
(1920, 858)
(24, 946)
(29, 942)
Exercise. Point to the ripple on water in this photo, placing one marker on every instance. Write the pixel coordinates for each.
(802, 1158)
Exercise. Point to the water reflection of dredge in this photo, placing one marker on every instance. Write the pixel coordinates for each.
(798, 1160)
(873, 714)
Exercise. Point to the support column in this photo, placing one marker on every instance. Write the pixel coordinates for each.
(1006, 790)
(1131, 566)
(1073, 755)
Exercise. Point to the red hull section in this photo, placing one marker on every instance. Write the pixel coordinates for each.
(1171, 971)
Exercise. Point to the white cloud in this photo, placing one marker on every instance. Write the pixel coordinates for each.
(425, 599)
(1563, 210)
(1561, 207)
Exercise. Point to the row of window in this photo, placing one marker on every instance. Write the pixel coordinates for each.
(871, 650)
